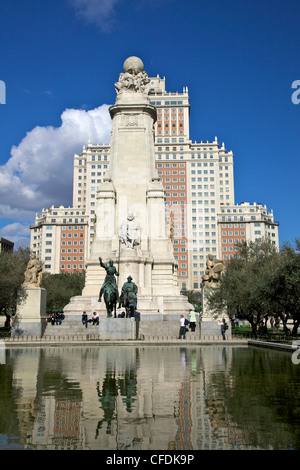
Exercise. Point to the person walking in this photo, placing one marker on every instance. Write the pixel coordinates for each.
(84, 319)
(223, 328)
(182, 327)
(192, 314)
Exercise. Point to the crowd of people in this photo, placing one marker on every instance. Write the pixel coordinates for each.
(186, 325)
(94, 320)
(55, 318)
(191, 323)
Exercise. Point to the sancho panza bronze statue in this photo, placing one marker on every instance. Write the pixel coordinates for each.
(128, 297)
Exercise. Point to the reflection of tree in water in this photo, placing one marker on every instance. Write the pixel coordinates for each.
(112, 387)
(256, 399)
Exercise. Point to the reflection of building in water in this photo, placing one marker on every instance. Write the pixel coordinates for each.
(66, 424)
(184, 420)
(202, 418)
(125, 398)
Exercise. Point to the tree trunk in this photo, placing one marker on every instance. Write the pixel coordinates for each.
(295, 327)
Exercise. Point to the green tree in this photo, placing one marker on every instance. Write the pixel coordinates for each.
(244, 285)
(286, 285)
(12, 267)
(194, 298)
(61, 287)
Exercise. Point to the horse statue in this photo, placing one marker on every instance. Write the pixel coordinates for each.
(109, 288)
(110, 300)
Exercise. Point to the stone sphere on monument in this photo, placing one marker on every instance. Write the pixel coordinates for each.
(133, 65)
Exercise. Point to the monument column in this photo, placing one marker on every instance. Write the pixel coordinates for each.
(131, 227)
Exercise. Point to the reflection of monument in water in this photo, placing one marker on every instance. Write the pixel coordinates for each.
(131, 227)
(103, 399)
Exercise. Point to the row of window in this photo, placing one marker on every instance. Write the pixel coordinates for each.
(230, 233)
(73, 267)
(231, 241)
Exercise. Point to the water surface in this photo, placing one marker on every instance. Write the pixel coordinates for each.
(149, 398)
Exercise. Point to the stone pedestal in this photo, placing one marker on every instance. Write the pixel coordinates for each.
(208, 314)
(30, 316)
(212, 330)
(117, 328)
(152, 307)
(209, 327)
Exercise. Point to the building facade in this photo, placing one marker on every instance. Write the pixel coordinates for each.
(59, 239)
(243, 223)
(6, 245)
(199, 192)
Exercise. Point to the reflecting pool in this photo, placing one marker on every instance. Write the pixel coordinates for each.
(149, 398)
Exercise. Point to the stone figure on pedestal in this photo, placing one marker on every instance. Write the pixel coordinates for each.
(213, 271)
(129, 233)
(33, 273)
(134, 78)
(128, 297)
(31, 304)
(210, 279)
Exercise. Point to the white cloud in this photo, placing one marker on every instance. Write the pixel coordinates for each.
(40, 170)
(15, 229)
(99, 12)
(17, 233)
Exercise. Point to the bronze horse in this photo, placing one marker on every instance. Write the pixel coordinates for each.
(109, 289)
(110, 300)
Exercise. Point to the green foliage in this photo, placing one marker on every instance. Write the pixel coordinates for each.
(194, 298)
(12, 267)
(261, 282)
(61, 287)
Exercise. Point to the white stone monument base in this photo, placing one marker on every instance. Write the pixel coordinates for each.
(117, 328)
(209, 315)
(30, 316)
(212, 330)
(151, 308)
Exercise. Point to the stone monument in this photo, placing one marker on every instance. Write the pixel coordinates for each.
(30, 318)
(132, 228)
(210, 318)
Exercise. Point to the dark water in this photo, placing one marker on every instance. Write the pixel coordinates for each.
(149, 398)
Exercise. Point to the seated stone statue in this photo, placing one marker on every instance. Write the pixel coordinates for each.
(214, 268)
(33, 273)
(129, 233)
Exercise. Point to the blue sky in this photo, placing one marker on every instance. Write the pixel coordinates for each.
(59, 61)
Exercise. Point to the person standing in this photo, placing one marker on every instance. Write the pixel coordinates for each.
(192, 314)
(223, 328)
(182, 327)
(84, 319)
